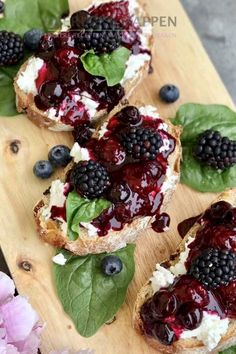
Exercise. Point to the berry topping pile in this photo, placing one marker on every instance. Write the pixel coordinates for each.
(11, 48)
(208, 285)
(136, 174)
(64, 77)
(141, 143)
(214, 150)
(214, 267)
(90, 179)
(102, 34)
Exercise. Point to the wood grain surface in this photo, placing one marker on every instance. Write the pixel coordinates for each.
(179, 58)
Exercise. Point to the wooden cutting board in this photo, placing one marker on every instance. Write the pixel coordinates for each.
(179, 58)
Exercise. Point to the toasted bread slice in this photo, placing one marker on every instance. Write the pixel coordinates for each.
(51, 232)
(25, 101)
(192, 345)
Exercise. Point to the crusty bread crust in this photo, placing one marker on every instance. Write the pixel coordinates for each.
(192, 345)
(25, 102)
(50, 231)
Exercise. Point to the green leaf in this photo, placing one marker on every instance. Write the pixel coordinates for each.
(79, 209)
(231, 350)
(7, 97)
(196, 118)
(88, 296)
(111, 66)
(22, 15)
(19, 17)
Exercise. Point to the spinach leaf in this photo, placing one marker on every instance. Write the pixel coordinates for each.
(231, 350)
(79, 209)
(20, 16)
(88, 296)
(196, 118)
(111, 66)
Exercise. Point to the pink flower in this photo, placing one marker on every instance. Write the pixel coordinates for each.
(19, 323)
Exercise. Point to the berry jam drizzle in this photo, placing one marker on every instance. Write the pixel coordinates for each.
(62, 81)
(135, 185)
(180, 306)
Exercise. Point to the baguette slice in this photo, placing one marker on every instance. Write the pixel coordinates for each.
(50, 231)
(25, 101)
(192, 345)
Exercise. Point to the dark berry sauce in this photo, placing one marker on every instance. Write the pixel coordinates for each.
(186, 225)
(180, 306)
(135, 189)
(62, 81)
(135, 185)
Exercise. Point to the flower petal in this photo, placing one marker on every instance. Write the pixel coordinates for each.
(19, 319)
(7, 288)
(31, 344)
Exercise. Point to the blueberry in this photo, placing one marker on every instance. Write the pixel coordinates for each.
(43, 169)
(59, 156)
(32, 38)
(169, 93)
(111, 265)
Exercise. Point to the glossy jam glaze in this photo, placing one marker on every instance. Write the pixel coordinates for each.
(135, 185)
(63, 83)
(180, 306)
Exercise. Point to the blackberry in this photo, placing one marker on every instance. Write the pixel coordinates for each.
(141, 143)
(11, 48)
(102, 34)
(2, 7)
(90, 179)
(215, 151)
(214, 267)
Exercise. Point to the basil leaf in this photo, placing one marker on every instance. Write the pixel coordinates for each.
(196, 118)
(231, 350)
(111, 66)
(43, 14)
(88, 296)
(79, 209)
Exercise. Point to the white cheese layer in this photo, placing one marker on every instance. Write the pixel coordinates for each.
(149, 111)
(57, 197)
(79, 153)
(161, 278)
(59, 259)
(133, 66)
(210, 331)
(26, 79)
(179, 268)
(170, 181)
